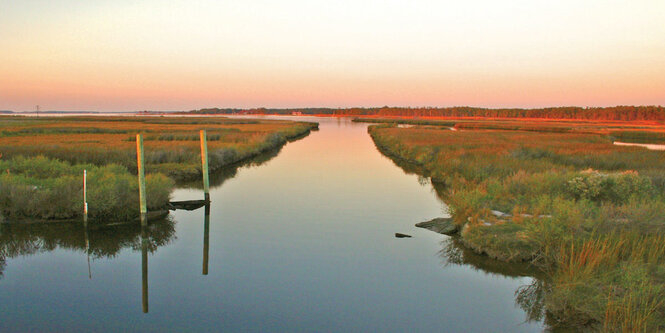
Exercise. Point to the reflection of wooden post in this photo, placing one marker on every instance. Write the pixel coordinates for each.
(85, 199)
(139, 162)
(204, 165)
(206, 238)
(87, 251)
(144, 269)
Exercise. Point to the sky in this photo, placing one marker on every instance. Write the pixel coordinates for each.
(124, 55)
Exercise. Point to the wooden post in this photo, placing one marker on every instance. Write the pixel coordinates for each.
(144, 269)
(85, 199)
(204, 166)
(140, 163)
(206, 238)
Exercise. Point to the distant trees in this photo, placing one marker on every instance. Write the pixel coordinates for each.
(624, 113)
(594, 113)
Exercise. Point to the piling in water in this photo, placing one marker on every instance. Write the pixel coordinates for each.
(85, 199)
(204, 166)
(140, 164)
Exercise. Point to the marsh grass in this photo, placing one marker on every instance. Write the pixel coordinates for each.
(637, 136)
(42, 160)
(404, 121)
(48, 189)
(590, 213)
(171, 143)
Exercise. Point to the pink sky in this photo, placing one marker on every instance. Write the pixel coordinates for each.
(172, 55)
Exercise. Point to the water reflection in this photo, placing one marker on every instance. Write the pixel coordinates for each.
(408, 167)
(453, 252)
(206, 238)
(2, 265)
(530, 298)
(146, 246)
(424, 176)
(221, 175)
(102, 242)
(423, 181)
(87, 248)
(650, 146)
(144, 268)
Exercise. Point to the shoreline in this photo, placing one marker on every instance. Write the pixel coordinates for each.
(575, 217)
(274, 142)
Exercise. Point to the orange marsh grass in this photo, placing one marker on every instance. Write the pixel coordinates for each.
(171, 143)
(602, 237)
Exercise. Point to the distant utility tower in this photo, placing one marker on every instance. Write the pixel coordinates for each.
(37, 108)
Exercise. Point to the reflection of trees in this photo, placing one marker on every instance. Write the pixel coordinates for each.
(27, 239)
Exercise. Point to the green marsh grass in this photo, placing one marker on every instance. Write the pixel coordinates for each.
(42, 160)
(46, 189)
(589, 213)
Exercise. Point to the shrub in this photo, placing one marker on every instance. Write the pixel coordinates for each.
(618, 187)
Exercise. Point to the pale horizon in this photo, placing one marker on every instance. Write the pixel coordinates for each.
(125, 56)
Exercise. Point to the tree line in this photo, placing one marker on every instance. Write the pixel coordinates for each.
(622, 112)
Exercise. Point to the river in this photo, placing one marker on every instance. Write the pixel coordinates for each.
(301, 241)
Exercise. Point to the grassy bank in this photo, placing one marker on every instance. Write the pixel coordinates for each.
(42, 160)
(171, 143)
(638, 136)
(589, 212)
(48, 189)
(403, 121)
(637, 132)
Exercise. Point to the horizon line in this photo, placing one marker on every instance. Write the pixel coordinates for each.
(338, 108)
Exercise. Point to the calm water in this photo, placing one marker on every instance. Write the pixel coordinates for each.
(650, 146)
(300, 241)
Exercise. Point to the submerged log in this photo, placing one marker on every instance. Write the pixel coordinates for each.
(400, 235)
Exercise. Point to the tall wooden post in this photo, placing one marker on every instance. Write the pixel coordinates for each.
(206, 238)
(204, 165)
(140, 163)
(144, 270)
(85, 199)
